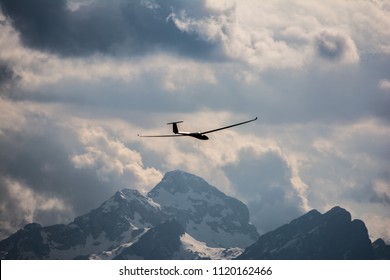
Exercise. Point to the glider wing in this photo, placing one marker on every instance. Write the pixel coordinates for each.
(229, 126)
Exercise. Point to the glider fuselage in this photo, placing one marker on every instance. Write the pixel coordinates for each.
(196, 135)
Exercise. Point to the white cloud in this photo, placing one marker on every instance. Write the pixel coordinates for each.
(10, 116)
(74, 5)
(25, 205)
(280, 35)
(384, 85)
(112, 160)
(382, 188)
(378, 226)
(220, 5)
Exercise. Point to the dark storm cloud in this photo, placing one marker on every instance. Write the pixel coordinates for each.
(263, 183)
(119, 27)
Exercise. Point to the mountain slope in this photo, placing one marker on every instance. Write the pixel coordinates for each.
(117, 221)
(159, 243)
(314, 235)
(169, 241)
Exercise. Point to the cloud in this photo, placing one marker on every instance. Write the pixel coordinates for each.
(281, 36)
(76, 93)
(378, 225)
(21, 205)
(8, 78)
(334, 46)
(384, 85)
(263, 181)
(6, 73)
(112, 160)
(115, 27)
(42, 163)
(357, 175)
(44, 173)
(98, 79)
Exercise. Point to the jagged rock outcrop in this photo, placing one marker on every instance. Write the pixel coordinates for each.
(329, 236)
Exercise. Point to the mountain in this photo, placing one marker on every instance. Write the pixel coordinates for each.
(131, 225)
(184, 217)
(119, 220)
(381, 249)
(206, 213)
(329, 236)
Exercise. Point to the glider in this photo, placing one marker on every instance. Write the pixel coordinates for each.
(197, 135)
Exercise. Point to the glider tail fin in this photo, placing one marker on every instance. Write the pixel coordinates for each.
(174, 126)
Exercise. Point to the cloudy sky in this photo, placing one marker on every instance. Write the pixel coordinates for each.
(79, 79)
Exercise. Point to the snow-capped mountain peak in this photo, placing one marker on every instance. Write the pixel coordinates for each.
(206, 213)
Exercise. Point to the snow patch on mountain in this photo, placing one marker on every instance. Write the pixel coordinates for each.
(114, 252)
(194, 249)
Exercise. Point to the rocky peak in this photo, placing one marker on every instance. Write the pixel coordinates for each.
(337, 216)
(315, 236)
(125, 210)
(178, 181)
(381, 249)
(206, 213)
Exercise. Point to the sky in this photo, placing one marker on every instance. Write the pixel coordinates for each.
(80, 79)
